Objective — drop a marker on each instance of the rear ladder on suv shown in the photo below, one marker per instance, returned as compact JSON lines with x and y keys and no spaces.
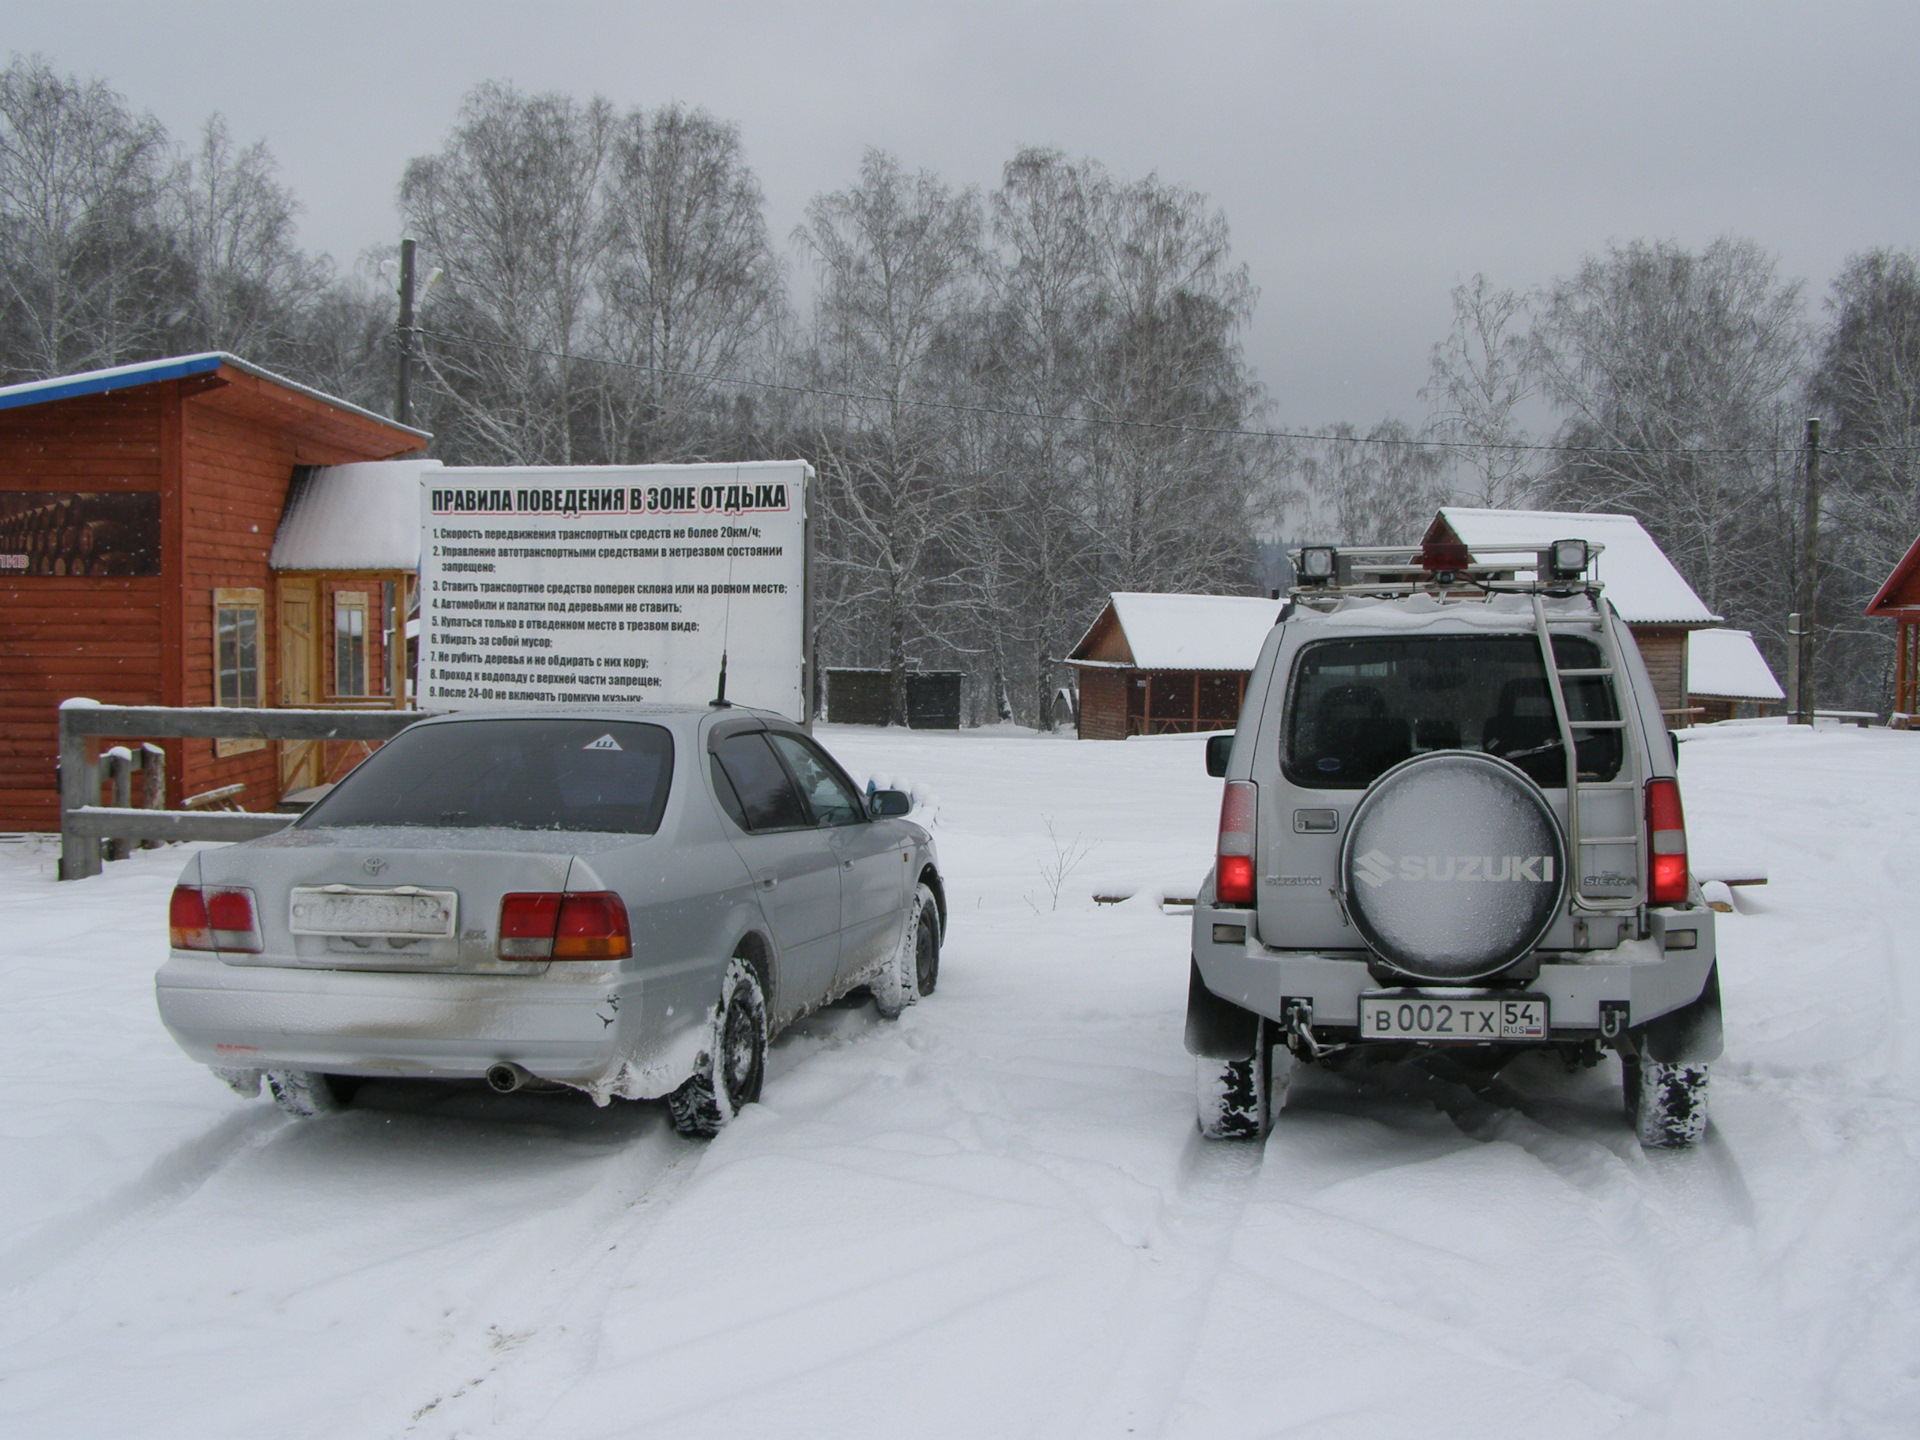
{"x":1609,"y":671}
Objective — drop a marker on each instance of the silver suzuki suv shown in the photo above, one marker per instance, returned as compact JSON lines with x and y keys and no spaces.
{"x":1451,"y":820}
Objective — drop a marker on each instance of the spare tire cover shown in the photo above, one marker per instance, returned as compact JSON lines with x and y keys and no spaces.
{"x":1453,"y":866}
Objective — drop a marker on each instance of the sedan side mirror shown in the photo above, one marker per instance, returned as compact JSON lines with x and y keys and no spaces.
{"x":1219,"y":747}
{"x":888,"y":802}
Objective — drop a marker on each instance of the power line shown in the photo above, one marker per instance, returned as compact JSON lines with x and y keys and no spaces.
{"x":1240,"y":432}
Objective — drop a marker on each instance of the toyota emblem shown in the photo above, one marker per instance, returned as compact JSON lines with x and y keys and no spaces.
{"x":373,"y":865}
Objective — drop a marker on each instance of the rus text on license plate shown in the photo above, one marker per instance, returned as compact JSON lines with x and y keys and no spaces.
{"x":1430,"y":1017}
{"x":344,"y":910}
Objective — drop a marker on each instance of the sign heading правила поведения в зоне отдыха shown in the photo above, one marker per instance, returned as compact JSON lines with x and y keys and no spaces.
{"x":613,"y":583}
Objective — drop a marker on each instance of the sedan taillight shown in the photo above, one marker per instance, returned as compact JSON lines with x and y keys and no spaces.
{"x":591,"y":925}
{"x":1666,"y":844}
{"x":213,"y":917}
{"x":1233,"y":872}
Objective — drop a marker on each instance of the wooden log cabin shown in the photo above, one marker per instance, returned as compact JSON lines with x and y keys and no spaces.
{"x":1168,"y":664}
{"x":138,"y":509}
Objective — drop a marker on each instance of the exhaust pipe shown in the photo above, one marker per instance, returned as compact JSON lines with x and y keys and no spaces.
{"x":505,"y":1077}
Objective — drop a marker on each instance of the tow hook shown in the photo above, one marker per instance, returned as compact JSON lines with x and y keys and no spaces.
{"x":1613,"y":1019}
{"x":1296,"y":1020}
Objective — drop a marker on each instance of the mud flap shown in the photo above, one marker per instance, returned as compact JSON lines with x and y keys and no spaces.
{"x":1218,"y":1029}
{"x":1691,"y":1035}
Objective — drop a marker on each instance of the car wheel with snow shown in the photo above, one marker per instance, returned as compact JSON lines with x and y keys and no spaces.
{"x":1666,"y":1100}
{"x":1234,"y":1098}
{"x":914,"y":968}
{"x":728,"y":1075}
{"x":307,"y":1093}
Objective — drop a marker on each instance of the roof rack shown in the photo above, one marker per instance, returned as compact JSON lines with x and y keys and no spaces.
{"x":1442,"y":569}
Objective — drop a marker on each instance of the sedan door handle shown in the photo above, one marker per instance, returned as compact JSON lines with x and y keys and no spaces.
{"x":846,"y":864}
{"x":767,"y":882}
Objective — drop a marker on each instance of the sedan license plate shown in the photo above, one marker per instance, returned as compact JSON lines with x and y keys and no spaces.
{"x":351,"y":910}
{"x":1445,"y":1017}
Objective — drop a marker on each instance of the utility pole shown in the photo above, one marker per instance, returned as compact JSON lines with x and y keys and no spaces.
{"x":402,"y":402}
{"x":1803,"y":697}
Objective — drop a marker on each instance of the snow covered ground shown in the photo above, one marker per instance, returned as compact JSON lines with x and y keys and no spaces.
{"x":994,"y":1218}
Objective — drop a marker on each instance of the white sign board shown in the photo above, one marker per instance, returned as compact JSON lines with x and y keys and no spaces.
{"x":614,"y":583}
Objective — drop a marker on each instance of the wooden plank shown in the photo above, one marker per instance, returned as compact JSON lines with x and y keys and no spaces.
{"x":210,"y":722}
{"x":107,"y":822}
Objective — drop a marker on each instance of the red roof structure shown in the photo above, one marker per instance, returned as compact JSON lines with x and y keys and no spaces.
{"x":1899,"y":600}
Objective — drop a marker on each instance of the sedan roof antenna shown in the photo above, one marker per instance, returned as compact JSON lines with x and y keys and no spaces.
{"x":720,"y":701}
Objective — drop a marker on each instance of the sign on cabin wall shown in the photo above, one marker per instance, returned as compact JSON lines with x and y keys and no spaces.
{"x":565,"y":586}
{"x":89,"y":532}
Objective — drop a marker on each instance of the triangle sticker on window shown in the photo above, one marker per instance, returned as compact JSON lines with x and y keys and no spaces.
{"x":605,"y":742}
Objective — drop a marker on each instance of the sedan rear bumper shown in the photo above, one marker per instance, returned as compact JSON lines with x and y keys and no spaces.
{"x":577,"y":1029}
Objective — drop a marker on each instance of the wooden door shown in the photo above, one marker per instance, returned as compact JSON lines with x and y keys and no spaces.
{"x":302,"y":762}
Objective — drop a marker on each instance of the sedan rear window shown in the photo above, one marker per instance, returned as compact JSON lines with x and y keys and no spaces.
{"x":1360,"y":707}
{"x":599,"y":775}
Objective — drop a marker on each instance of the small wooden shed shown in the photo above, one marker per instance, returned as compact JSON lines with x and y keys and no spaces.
{"x":1728,"y":678}
{"x":138,"y":506}
{"x":1168,"y":664}
{"x":1899,"y":600}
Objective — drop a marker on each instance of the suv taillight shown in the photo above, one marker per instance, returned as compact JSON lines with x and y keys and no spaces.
{"x":591,"y":925}
{"x":1666,"y":844}
{"x":1233,"y":872}
{"x":213,"y":918}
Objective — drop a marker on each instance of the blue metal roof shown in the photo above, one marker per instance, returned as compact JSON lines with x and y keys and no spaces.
{"x":178,"y":367}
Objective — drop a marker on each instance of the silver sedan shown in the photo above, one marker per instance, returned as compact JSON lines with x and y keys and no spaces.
{"x":628,"y":902}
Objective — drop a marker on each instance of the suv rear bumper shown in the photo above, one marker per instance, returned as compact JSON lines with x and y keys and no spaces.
{"x":1643,"y":975}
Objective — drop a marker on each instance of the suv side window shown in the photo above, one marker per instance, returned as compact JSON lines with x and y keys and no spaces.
{"x":829,"y":797}
{"x":760,"y":784}
{"x":1357,"y":708}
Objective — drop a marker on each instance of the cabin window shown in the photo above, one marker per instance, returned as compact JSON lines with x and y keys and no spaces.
{"x":236,"y":647}
{"x":350,"y":642}
{"x":236,"y":659}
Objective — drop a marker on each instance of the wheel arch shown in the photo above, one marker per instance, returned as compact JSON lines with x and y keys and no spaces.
{"x":930,"y":878}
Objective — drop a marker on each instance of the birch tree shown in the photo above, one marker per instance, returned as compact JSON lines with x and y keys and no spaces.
{"x":83,"y":250}
{"x":1479,"y":377}
{"x":897,"y":261}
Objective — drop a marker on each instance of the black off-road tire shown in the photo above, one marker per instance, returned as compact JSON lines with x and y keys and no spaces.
{"x":729,"y":1073}
{"x":1667,"y":1101}
{"x":1233,"y":1099}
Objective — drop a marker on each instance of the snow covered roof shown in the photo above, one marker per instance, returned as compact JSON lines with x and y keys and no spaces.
{"x":176,"y":367}
{"x":1183,"y":632}
{"x":1727,"y":664}
{"x":1640,"y":580}
{"x":353,"y":517}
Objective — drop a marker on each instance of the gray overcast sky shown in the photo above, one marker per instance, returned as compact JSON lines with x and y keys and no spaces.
{"x":1367,"y":156}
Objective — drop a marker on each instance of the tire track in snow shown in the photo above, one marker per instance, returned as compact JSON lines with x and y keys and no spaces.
{"x":169,"y":1181}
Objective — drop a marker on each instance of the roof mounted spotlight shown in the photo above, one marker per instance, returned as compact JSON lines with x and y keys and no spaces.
{"x":1316,"y":564}
{"x":1567,"y":559}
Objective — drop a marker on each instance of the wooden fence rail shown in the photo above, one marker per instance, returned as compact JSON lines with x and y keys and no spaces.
{"x":84,"y":822}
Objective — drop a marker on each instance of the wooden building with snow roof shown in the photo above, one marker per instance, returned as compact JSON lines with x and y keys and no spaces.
{"x":1899,"y":600}
{"x":139,"y":508}
{"x":1168,"y":664}
{"x":1654,"y":599}
{"x":1728,"y":678}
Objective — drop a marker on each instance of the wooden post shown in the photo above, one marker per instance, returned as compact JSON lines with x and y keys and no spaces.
{"x":120,"y":776}
{"x":1793,"y":670}
{"x":79,"y":785}
{"x":402,"y":399}
{"x":1803,"y":700}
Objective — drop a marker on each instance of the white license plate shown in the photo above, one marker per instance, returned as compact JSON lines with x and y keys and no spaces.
{"x":349,"y":910}
{"x":1436,"y":1017}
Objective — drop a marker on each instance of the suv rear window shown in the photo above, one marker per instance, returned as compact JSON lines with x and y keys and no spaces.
{"x":599,"y":775}
{"x":1357,"y":708}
